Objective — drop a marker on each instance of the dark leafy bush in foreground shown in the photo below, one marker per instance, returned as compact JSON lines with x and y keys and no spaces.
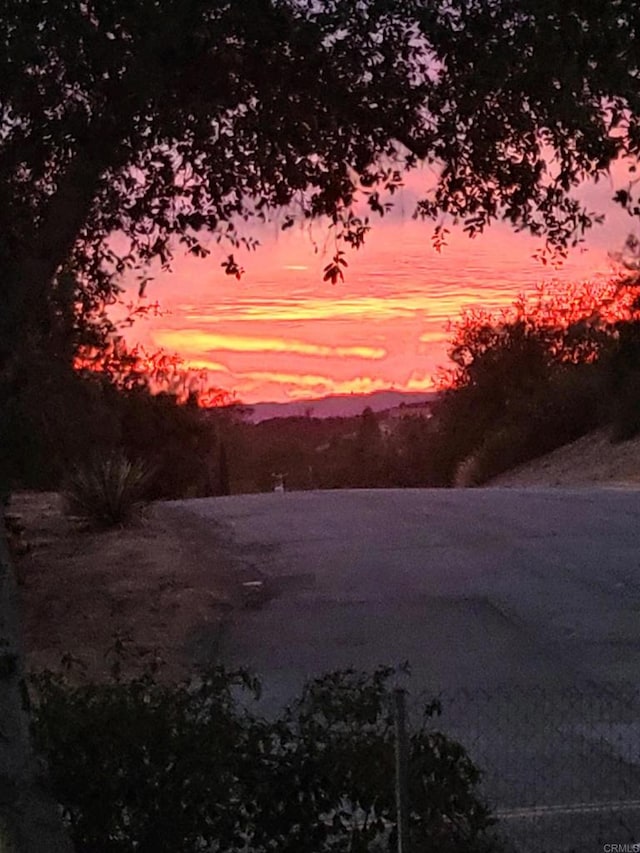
{"x":145,"y":766}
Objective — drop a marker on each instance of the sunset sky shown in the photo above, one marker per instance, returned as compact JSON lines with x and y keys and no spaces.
{"x":281,"y":333}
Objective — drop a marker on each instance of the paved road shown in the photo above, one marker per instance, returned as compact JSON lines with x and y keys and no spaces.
{"x":473,"y":587}
{"x":480,"y":590}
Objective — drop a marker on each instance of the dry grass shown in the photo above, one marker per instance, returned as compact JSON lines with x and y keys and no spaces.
{"x":149,"y":583}
{"x":590,"y":461}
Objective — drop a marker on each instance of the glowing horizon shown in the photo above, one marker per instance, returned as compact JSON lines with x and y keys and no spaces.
{"x":281,"y":333}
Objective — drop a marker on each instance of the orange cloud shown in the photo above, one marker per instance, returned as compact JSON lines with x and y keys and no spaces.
{"x":419,"y":381}
{"x":432,"y":337}
{"x":311,"y":308}
{"x":385,"y":326}
{"x":194,"y":340}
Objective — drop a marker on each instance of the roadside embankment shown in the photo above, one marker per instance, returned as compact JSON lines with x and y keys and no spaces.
{"x":590,"y":461}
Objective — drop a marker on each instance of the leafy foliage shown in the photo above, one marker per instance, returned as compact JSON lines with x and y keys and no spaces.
{"x":177,"y":440}
{"x":537,"y":97}
{"x":57,"y":424}
{"x":623,"y":374}
{"x":534,"y":378}
{"x":138,"y":764}
{"x":96,"y":395}
{"x":166,"y":127}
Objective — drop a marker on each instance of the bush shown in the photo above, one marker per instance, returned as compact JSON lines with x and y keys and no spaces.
{"x":140,"y":765}
{"x":534,"y":378}
{"x":469,"y":472}
{"x":108,"y":490}
{"x":571,"y":407}
{"x":499,"y":452}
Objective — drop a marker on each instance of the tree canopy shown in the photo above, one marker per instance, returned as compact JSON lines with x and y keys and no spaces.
{"x":535,"y":97}
{"x":161,"y":121}
{"x":157,"y":120}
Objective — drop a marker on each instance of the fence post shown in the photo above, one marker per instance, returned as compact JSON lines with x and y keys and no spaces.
{"x":402,"y":770}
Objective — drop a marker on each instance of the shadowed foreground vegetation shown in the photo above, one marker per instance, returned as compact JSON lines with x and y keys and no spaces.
{"x":186,"y":767}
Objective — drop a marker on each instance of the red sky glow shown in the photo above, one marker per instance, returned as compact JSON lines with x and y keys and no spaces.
{"x":281,"y":333}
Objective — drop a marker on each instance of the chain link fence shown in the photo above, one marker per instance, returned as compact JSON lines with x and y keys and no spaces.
{"x":561,"y":766}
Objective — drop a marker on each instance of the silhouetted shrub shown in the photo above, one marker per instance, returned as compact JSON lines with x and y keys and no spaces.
{"x":625,"y":410}
{"x":499,"y":452}
{"x":159,"y":768}
{"x":107,"y":490}
{"x":175,"y":438}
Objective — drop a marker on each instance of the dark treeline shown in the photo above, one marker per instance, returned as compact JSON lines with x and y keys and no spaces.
{"x":79,"y":419}
{"x":368,"y":451}
{"x":82,"y":395}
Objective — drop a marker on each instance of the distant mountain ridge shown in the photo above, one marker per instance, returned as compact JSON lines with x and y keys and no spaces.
{"x":337,"y":405}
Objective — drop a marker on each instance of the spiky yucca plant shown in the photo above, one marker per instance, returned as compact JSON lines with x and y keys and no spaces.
{"x":107,"y":490}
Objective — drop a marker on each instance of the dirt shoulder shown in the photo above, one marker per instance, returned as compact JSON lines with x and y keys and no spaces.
{"x":590,"y":461}
{"x":159,"y":585}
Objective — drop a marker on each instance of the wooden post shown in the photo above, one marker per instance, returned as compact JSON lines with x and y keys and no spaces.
{"x":402,"y":770}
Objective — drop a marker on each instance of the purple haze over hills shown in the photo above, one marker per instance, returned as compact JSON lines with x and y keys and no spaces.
{"x":336,"y":405}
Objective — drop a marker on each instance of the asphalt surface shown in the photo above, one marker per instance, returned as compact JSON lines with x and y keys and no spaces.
{"x":528,"y":595}
{"x":473,"y":587}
